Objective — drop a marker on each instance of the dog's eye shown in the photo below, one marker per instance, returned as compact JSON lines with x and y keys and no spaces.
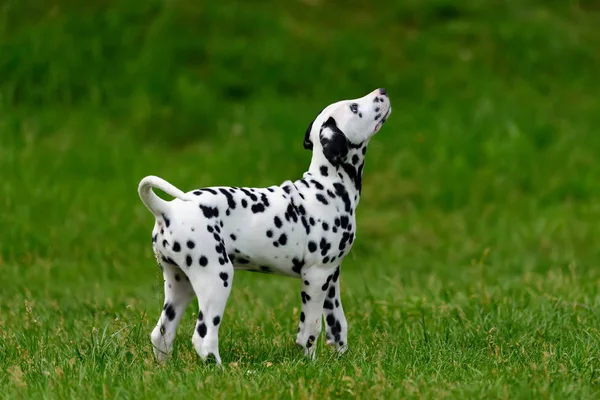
{"x":354,"y":108}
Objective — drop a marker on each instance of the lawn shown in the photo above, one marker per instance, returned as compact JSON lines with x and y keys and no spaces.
{"x":476,"y":268}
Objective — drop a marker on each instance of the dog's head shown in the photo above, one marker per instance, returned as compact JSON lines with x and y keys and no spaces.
{"x":348,"y":123}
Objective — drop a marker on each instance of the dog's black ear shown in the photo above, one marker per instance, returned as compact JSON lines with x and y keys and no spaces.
{"x":308,"y":144}
{"x":335,"y":143}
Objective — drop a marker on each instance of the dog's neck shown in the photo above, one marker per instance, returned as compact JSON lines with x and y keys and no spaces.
{"x":349,"y":172}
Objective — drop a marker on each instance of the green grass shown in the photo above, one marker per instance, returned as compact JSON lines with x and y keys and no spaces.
{"x":476,"y":268}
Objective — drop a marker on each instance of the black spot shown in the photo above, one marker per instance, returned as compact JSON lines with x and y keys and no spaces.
{"x":162,"y":231}
{"x":324,"y":170}
{"x":169,"y":311}
{"x":310,"y":342}
{"x":324,"y":246}
{"x":210,"y":229}
{"x":249,"y":194}
{"x":326,"y":284}
{"x":269,"y":233}
{"x":176,"y":246}
{"x":337,"y":329}
{"x":232,"y":236}
{"x":336,"y":274}
{"x":306,"y":226}
{"x":242,"y":260}
{"x":190,"y":244}
{"x":344,"y":221}
{"x":340,"y":190}
{"x":177,"y":277}
{"x":312,"y":221}
{"x":330,"y":194}
{"x":278,"y":222}
{"x":355,"y":159}
{"x":305,"y":297}
{"x":283,"y":239}
{"x":154,"y":238}
{"x":344,"y":240}
{"x":291,"y":213}
{"x":258,"y":208}
{"x":216,"y":320}
{"x":244,"y":203}
{"x":217,"y":237}
{"x":298,"y":264}
{"x":202,"y":330}
{"x":312,"y":246}
{"x":325,"y":260}
{"x":364,"y":150}
{"x":188,"y":260}
{"x":167,"y":220}
{"x":331,"y":293}
{"x":325,"y":226}
{"x":307,"y":283}
{"x":165,"y":243}
{"x":217,"y":229}
{"x":330,"y":319}
{"x":203,"y":261}
{"x":301,"y":210}
{"x":305,"y":183}
{"x":317,"y":184}
{"x":230,"y":201}
{"x":337,"y":303}
{"x":197,"y":192}
{"x":276,"y":244}
{"x":224,"y":276}
{"x":209,"y":191}
{"x":328,"y":305}
{"x":264,"y":268}
{"x":209,"y":212}
{"x":302,"y":317}
{"x":322,"y":198}
{"x":287,"y":189}
{"x":337,"y":222}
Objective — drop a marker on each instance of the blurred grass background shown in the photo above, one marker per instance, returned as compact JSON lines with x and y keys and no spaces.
{"x":481,"y":192}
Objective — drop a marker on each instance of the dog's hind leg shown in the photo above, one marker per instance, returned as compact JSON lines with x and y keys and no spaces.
{"x":178,"y":293}
{"x":333,"y":312}
{"x":212,"y":280}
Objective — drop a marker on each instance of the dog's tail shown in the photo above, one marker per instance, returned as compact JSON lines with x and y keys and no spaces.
{"x":154,"y":203}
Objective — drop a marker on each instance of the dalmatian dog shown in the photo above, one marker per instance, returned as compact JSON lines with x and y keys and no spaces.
{"x":301,"y":229}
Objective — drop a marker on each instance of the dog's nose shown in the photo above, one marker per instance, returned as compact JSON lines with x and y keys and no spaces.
{"x":382,"y":91}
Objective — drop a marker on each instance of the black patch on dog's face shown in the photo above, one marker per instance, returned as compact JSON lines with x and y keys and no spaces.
{"x":336,"y":146}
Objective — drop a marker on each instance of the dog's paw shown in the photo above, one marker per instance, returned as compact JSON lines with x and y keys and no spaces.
{"x":160,"y":355}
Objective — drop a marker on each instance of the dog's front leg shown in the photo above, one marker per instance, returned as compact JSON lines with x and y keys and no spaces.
{"x":315,"y":283}
{"x":333,"y":312}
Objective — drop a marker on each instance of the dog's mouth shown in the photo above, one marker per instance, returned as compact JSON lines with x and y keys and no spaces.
{"x":382,"y":121}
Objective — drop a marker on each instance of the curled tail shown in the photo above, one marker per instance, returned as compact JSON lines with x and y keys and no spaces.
{"x":154,"y":203}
